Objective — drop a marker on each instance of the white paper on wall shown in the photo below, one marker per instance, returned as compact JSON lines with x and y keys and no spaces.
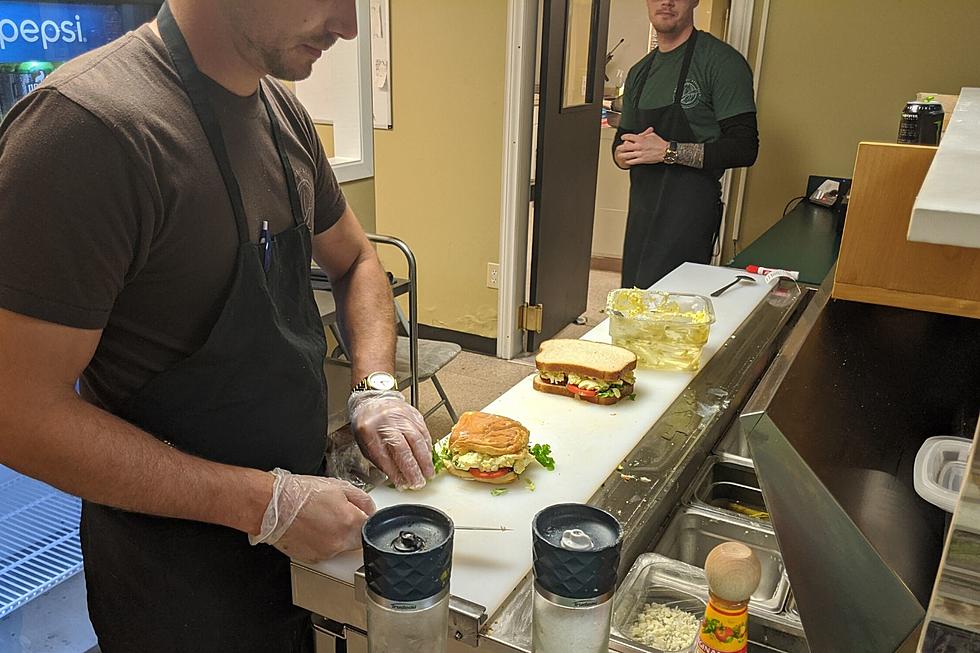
{"x":381,"y":62}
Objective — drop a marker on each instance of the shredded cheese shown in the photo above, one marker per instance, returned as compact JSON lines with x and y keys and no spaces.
{"x":665,"y":628}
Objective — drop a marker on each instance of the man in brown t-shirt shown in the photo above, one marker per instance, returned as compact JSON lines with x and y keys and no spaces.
{"x":130,"y":262}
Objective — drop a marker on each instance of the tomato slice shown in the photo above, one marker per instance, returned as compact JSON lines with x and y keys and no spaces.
{"x":575,"y":390}
{"x":503,"y":471}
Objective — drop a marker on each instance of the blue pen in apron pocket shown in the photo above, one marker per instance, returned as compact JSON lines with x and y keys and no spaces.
{"x":265,"y":242}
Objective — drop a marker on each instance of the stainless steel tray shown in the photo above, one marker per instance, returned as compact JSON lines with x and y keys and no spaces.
{"x":791,"y":609}
{"x":695,"y":531}
{"x":656,"y":579}
{"x":723,"y":482}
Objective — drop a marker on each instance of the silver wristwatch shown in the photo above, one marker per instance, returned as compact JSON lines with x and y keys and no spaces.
{"x":377,"y":381}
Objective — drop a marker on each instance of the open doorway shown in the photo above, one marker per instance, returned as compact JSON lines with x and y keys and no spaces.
{"x":628,"y":38}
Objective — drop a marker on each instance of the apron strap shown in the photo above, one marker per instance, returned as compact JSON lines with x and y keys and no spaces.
{"x":685,"y":67}
{"x":295,"y":206}
{"x":644,"y":75}
{"x":194,"y":85}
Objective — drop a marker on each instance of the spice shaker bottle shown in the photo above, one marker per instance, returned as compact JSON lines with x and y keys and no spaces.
{"x":576,"y":560}
{"x":733,"y":574}
{"x":408,"y":553}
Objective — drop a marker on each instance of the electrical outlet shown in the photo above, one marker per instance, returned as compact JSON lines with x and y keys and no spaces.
{"x":493,"y":275}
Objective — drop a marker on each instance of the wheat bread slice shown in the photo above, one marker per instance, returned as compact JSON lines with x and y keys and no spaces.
{"x":596,"y":359}
{"x":554,"y":389}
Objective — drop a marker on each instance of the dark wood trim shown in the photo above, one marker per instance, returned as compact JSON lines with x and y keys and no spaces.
{"x":468,"y":341}
{"x":607,"y":263}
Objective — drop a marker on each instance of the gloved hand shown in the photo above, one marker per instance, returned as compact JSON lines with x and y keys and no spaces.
{"x":392,"y":434}
{"x":312,"y":518}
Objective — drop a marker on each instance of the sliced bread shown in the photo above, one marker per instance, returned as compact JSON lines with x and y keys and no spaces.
{"x":596,"y":359}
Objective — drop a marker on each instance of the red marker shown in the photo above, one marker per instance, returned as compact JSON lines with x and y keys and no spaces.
{"x":756,"y":269}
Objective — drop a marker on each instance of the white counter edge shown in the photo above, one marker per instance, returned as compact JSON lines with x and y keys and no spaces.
{"x":947,"y":209}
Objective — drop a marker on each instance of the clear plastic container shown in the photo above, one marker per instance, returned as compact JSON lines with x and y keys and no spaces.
{"x":666,"y":331}
{"x":940,"y":466}
{"x":655,"y":579}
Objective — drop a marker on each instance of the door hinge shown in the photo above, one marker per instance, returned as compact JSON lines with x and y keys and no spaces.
{"x":529,"y":318}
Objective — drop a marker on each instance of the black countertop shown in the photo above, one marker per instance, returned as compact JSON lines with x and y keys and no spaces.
{"x":807,"y":239}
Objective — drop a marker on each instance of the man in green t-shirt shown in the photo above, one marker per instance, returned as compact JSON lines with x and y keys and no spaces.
{"x":688,"y":114}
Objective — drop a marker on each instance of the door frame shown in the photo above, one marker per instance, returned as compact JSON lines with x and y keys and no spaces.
{"x":515,"y":187}
{"x":739,"y":36}
{"x":757,"y":75}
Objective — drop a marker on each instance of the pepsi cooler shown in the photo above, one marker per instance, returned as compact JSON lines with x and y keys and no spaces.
{"x":37,"y":37}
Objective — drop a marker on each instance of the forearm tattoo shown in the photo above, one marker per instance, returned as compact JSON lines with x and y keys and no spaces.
{"x":691,"y":155}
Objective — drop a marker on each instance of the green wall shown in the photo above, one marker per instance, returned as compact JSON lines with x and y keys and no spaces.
{"x":837,"y":72}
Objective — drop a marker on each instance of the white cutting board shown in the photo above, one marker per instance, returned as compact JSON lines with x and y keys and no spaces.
{"x":588,"y":442}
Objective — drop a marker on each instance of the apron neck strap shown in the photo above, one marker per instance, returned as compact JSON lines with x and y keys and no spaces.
{"x":692,"y":41}
{"x":194,"y":84}
{"x":644,"y":73}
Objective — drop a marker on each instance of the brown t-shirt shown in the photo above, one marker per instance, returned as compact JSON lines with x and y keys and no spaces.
{"x":113,"y":214}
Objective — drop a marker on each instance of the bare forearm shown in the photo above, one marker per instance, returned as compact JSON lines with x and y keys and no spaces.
{"x":366,"y":315}
{"x":68,"y":443}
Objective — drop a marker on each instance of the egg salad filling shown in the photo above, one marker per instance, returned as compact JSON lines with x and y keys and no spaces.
{"x":602,"y":388}
{"x":475,"y":460}
{"x":442,"y":457}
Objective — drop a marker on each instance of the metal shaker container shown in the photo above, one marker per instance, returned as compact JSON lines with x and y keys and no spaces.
{"x":408,"y":553}
{"x":576,"y":560}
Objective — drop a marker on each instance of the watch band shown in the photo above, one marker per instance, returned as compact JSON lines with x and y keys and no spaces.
{"x":670,"y":156}
{"x":361,"y":386}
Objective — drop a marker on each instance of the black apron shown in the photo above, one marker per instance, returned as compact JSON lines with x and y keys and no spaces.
{"x":674,"y":210}
{"x":253,"y":395}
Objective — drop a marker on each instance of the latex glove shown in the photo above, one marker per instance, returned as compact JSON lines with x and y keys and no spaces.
{"x":312,"y":518}
{"x":392,"y":434}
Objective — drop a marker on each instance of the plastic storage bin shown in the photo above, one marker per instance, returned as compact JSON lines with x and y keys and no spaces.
{"x":666,"y":331}
{"x":940,"y":467}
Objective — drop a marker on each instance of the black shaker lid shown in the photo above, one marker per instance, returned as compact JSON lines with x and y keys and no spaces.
{"x":576,"y":550}
{"x":408,"y":552}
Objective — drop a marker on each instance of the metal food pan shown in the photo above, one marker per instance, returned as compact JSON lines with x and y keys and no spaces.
{"x":722,"y":484}
{"x":695,"y":531}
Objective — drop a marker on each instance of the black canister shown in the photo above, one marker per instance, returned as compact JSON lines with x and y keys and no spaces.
{"x":576,"y":562}
{"x":922,"y":123}
{"x":408,"y":552}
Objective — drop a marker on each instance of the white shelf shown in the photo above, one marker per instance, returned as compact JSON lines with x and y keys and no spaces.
{"x":947,"y":210}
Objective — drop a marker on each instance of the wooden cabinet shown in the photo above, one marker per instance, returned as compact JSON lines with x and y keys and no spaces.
{"x":878,"y":264}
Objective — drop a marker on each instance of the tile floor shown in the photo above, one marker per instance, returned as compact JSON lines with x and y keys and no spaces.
{"x":472,"y":381}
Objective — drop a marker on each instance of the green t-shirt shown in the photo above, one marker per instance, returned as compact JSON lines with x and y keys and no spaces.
{"x":719,"y":86}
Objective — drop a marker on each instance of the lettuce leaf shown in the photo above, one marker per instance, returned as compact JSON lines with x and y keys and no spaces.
{"x":542,"y":453}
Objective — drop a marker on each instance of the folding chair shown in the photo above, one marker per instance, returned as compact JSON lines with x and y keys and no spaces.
{"x":416,"y":360}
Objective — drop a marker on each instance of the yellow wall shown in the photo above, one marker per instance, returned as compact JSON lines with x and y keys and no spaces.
{"x":437,"y":172}
{"x":360,"y":193}
{"x":710,"y":16}
{"x":360,"y":198}
{"x":838,"y":72}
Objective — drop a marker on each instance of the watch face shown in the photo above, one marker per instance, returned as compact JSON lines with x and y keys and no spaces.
{"x":381,"y":381}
